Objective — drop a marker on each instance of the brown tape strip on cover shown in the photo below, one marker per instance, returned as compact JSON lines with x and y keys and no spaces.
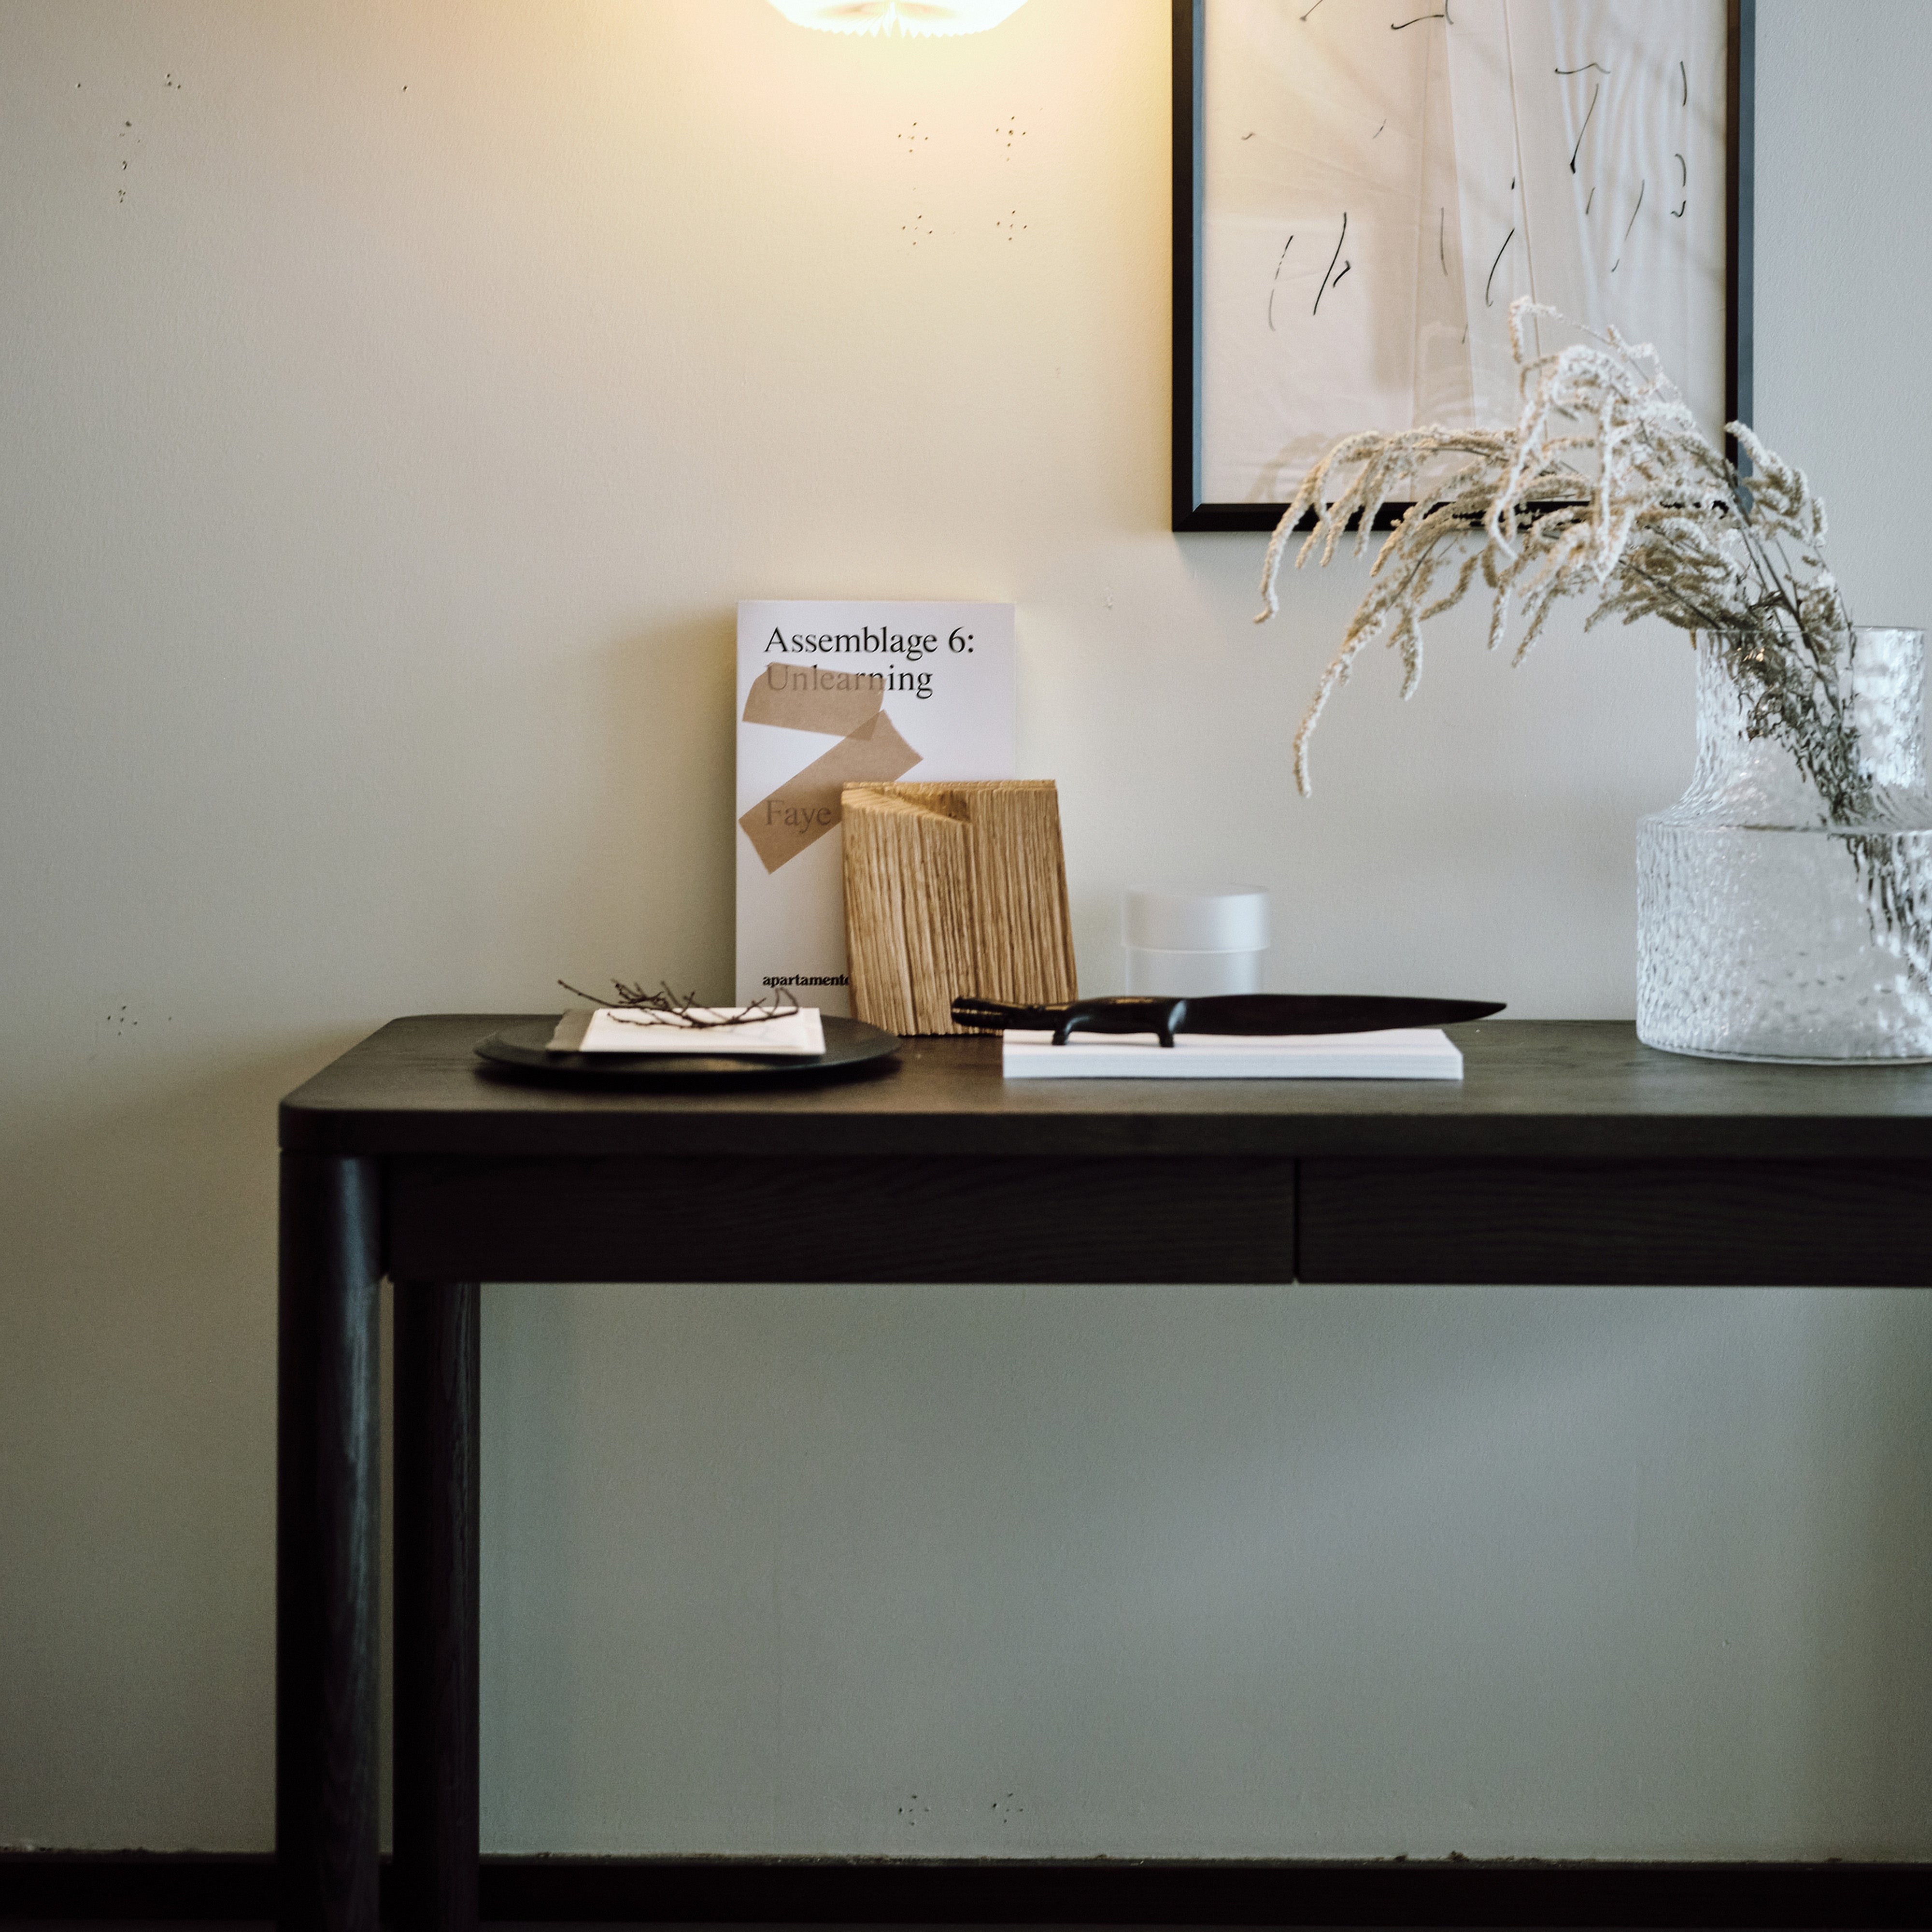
{"x":808,"y":698}
{"x":805,"y":808}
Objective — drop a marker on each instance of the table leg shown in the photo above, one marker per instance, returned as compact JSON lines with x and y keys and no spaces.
{"x":326,"y":1510}
{"x":438,"y":1389}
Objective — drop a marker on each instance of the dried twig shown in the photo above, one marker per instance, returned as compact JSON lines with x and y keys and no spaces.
{"x":664,"y":1008}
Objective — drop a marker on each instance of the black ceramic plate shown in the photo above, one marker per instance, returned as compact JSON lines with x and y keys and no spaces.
{"x":526,"y":1046}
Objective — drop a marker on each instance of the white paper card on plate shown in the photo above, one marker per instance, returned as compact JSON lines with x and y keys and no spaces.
{"x":1398,"y":1053}
{"x":834,"y":694}
{"x":627,"y":1030}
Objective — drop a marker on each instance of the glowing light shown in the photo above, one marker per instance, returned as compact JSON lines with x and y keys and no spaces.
{"x":901,"y":16}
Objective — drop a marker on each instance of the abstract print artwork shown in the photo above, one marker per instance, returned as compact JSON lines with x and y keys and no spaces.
{"x":1380,"y":179}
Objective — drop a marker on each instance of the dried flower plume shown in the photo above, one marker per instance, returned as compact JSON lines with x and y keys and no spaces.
{"x":1607,"y":489}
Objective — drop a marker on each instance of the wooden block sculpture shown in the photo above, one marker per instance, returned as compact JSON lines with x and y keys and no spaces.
{"x":953,"y":889}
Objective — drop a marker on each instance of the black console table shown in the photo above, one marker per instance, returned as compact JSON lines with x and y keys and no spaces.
{"x":1568,"y":1153}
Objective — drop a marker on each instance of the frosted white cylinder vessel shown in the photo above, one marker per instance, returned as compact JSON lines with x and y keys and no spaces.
{"x":1186,"y":940}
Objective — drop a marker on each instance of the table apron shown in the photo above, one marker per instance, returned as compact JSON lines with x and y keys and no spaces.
{"x":1136,"y":1218}
{"x":1127,"y":1218}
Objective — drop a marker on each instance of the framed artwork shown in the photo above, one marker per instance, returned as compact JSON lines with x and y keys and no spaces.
{"x":1362,"y":188}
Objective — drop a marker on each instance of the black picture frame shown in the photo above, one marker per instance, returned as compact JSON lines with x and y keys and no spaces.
{"x":1189,"y":512}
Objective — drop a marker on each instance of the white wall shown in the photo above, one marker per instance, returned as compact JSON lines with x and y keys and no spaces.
{"x":396,"y":399}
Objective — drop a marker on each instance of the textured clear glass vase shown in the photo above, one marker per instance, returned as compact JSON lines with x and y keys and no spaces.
{"x":1784,"y":903}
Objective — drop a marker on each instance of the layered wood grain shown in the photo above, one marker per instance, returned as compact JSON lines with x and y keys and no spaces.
{"x":954,"y":889}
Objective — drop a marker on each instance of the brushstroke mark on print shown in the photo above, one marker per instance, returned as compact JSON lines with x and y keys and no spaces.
{"x":1488,"y":301}
{"x":1332,"y":260}
{"x":1585,"y":128}
{"x":1279,"y":260}
{"x":1643,"y":187}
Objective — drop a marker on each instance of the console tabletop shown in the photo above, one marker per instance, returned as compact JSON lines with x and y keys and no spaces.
{"x":1577,"y":1088}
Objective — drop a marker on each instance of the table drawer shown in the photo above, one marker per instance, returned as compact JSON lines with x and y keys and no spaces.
{"x":1121,"y":1218}
{"x":1848,"y":1222}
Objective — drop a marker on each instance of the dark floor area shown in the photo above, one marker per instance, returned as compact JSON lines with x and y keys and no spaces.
{"x":508,"y":1925}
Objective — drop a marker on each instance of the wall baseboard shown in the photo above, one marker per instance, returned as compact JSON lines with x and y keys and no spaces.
{"x":1514,"y":1892}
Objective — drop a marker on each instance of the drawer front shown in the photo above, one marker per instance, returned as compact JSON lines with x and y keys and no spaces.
{"x":1122,"y":1218}
{"x":1755,"y":1222}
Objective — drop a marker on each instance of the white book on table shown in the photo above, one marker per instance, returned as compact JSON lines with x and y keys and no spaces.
{"x":1399,"y":1053}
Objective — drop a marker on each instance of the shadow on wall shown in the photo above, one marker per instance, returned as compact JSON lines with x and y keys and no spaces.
{"x":642,"y":888}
